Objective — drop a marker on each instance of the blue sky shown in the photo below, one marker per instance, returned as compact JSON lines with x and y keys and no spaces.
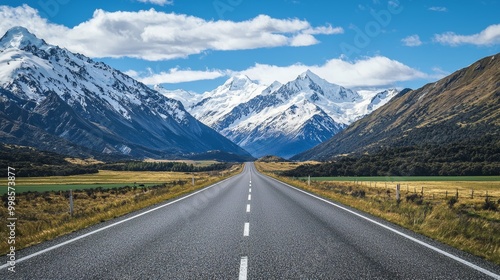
{"x":197,"y":45}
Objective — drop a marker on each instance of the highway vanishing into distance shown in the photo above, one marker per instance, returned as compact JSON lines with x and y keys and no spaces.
{"x":249,"y":226}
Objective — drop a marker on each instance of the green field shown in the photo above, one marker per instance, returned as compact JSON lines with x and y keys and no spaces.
{"x":409,"y":179}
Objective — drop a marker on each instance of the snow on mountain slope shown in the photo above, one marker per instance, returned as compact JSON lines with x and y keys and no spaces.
{"x":125,"y":116}
{"x":282,"y":119}
{"x":216,"y":104}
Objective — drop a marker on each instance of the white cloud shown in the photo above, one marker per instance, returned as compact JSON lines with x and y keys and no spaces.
{"x":154,"y":35}
{"x":29,"y":18}
{"x":158,"y":2}
{"x":302,"y":40}
{"x":369,"y":72}
{"x":438,"y":9}
{"x":377,"y":71}
{"x":412,"y":41}
{"x":175,"y":75}
{"x":489,"y":36}
{"x":324,"y":30}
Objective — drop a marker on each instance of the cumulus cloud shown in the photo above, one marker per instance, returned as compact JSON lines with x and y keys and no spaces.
{"x":368,"y":72}
{"x":488,"y":36}
{"x":30,"y":18}
{"x":438,"y":9}
{"x":412,"y":41}
{"x":175,"y":75}
{"x":377,"y":71}
{"x":154,"y":35}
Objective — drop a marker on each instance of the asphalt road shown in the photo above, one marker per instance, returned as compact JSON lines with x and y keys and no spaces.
{"x":249,"y":226}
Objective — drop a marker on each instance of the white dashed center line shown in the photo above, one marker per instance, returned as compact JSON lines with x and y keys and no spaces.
{"x":249,"y":197}
{"x":246,"y":230}
{"x":250,"y":190}
{"x":243,"y":268}
{"x":248,"y":208}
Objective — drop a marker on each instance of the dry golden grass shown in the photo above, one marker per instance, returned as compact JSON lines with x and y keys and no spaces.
{"x":44,"y":216}
{"x":471,"y":190}
{"x":464,"y":224}
{"x":87,"y":161}
{"x":109,"y":177}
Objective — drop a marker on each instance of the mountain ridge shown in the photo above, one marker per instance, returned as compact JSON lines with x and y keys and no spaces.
{"x":458,"y":108}
{"x":280,"y":119}
{"x":69,"y":97}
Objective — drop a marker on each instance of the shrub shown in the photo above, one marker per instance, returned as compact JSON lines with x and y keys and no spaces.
{"x":452,"y":201}
{"x":359,"y":193}
{"x":489,"y":205}
{"x":415,"y":198}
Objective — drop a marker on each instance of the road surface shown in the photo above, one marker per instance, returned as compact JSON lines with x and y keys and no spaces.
{"x":247,"y":227}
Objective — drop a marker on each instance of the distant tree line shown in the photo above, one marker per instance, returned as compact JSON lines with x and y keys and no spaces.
{"x":163,"y":166}
{"x":30,"y":162}
{"x":468,"y":158}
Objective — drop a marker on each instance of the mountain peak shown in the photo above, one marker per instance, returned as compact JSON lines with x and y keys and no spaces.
{"x":19,"y":37}
{"x":238,"y":82}
{"x":309,"y":74}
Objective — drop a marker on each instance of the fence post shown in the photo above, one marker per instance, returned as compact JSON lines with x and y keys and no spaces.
{"x":398,"y":195}
{"x":309,"y":180}
{"x":456,"y":195}
{"x":192,"y":180}
{"x":472,"y":194}
{"x":71,"y":203}
{"x":422,"y":192}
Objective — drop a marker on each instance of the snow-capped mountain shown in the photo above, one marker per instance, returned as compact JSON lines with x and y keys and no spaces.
{"x":219,"y":103}
{"x":49,"y":95}
{"x":281,"y":119}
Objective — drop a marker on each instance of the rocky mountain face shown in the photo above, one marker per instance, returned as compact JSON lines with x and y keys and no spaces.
{"x":280,"y":119}
{"x":56,"y":100}
{"x":460,"y":110}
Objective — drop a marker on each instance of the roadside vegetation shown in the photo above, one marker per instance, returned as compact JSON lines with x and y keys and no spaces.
{"x":462,"y":214}
{"x":44,"y":215}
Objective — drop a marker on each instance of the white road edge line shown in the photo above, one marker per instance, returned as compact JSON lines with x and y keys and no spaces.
{"x":467,"y":263}
{"x":111,"y":225}
{"x":246,"y":229}
{"x":248,"y":208}
{"x":249,"y":197}
{"x":243,"y":268}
